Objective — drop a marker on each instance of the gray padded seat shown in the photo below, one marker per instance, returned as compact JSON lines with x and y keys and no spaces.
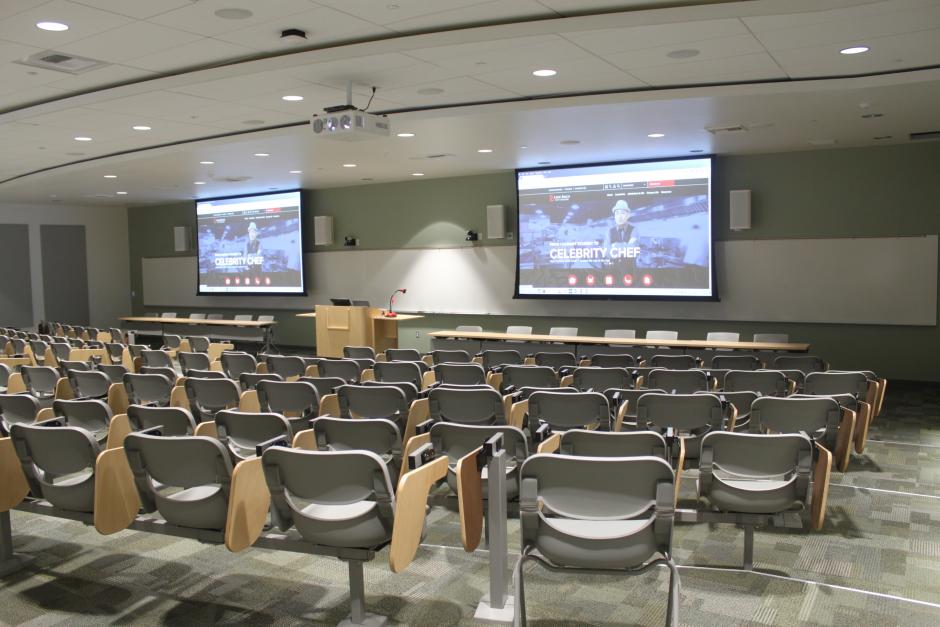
{"x":148,"y":389}
{"x":818,"y":417}
{"x":381,"y":401}
{"x":193,"y":361}
{"x":58,"y":463}
{"x":402,"y":354}
{"x":516,"y":377}
{"x":17,"y":409}
{"x":617,"y":397}
{"x":400,"y":371}
{"x":5,"y":373}
{"x":187,"y":479}
{"x":286,"y":365}
{"x":691,"y":416}
{"x":596,"y":379}
{"x":563,"y":411}
{"x":341,"y":499}
{"x":673,"y":362}
{"x":772,"y":338}
{"x":750,"y":473}
{"x":613,"y":360}
{"x":460,"y":374}
{"x":501,"y":358}
{"x":622,"y":334}
{"x":208,"y":396}
{"x":457,"y":440}
{"x":722,"y":336}
{"x":171,"y":420}
{"x":678,"y":381}
{"x":197,"y":316}
{"x":564,"y":331}
{"x":349,"y":370}
{"x":519,"y":329}
{"x":40,"y":381}
{"x":115,"y":351}
{"x":742,"y":402}
{"x":736,"y":362}
{"x":324,"y":385}
{"x":265,"y":318}
{"x":450,"y":357}
{"x":171,"y":341}
{"x":359,"y":352}
{"x":587,"y":443}
{"x":199,"y":343}
{"x":169,"y":373}
{"x":156,"y":359}
{"x":378,"y":435}
{"x":766,"y":382}
{"x":205,"y":374}
{"x":62,"y":350}
{"x":168,"y":314}
{"x":556,"y":360}
{"x":298,"y":401}
{"x":803,"y":363}
{"x":92,"y":415}
{"x":831,"y":383}
{"x":241,"y":431}
{"x":217,"y":316}
{"x":244,"y":317}
{"x":39,"y":349}
{"x":468,"y":406}
{"x":65,"y":365}
{"x":250,"y":380}
{"x":469,"y":328}
{"x":599,"y":514}
{"x":235,"y":363}
{"x":662,"y":335}
{"x":89,"y":384}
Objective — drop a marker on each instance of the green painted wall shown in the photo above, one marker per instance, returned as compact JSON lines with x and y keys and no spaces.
{"x":883,"y":191}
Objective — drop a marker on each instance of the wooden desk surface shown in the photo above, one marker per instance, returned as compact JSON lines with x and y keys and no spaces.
{"x":614,"y":341}
{"x":200,"y":321}
{"x":313,"y":314}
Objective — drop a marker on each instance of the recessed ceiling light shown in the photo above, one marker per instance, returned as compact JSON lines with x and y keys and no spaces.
{"x":199,"y":182}
{"x":53,"y":26}
{"x":121,"y":193}
{"x":485,"y":150}
{"x":234,"y":14}
{"x":206,"y":162}
{"x":292,"y":98}
{"x":406,"y":134}
{"x":523,"y":147}
{"x":110,"y":176}
{"x":570,"y":142}
{"x":82,"y":139}
{"x":296,"y":171}
{"x":684,"y":53}
{"x":855,"y":50}
{"x":656,"y":135}
{"x":262,"y":154}
{"x":349,"y":165}
{"x":417,"y":174}
{"x":544,"y":73}
{"x":141,"y":127}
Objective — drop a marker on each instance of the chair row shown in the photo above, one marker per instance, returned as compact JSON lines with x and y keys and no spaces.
{"x":711,"y":336}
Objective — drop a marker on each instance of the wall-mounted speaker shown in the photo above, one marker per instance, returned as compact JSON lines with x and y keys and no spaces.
{"x":495,"y":222}
{"x":322,"y":230}
{"x":739,"y":216}
{"x":181,"y":239}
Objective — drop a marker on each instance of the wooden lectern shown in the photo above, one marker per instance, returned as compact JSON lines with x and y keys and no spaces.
{"x":339,"y":326}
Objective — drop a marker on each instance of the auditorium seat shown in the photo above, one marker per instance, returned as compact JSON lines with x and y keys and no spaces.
{"x":613,"y":360}
{"x":563,"y":411}
{"x":286,"y":365}
{"x":172,"y":421}
{"x":193,"y":361}
{"x":466,"y":405}
{"x":556,"y":361}
{"x":349,"y":370}
{"x":241,"y":432}
{"x":217,"y":316}
{"x":497,"y":359}
{"x":377,"y":435}
{"x":265,"y":318}
{"x":587,"y":443}
{"x":15,"y":409}
{"x":765,"y":382}
{"x":93,"y":415}
{"x":519,"y":329}
{"x":823,"y":419}
{"x":678,"y":381}
{"x":197,"y":316}
{"x":564,"y":331}
{"x":243,"y":317}
{"x":397,"y":371}
{"x":470,"y":328}
{"x":298,"y":401}
{"x":199,"y":343}
{"x":459,"y":374}
{"x":772,"y":338}
{"x":688,"y":415}
{"x":156,"y":359}
{"x":673,"y":362}
{"x":208,"y":396}
{"x":249,"y":380}
{"x":402,"y":354}
{"x":623,"y":402}
{"x":148,"y":389}
{"x":449,"y":356}
{"x":515,"y":377}
{"x":805,"y":363}
{"x":623,"y":334}
{"x":114,"y":372}
{"x":597,"y":379}
{"x":89,"y":384}
{"x":40,"y":381}
{"x":736,"y":362}
{"x":234,"y":363}
{"x":168,"y":314}
{"x":364,"y":401}
{"x":722,"y":336}
{"x":662,"y":335}
{"x":455,"y":440}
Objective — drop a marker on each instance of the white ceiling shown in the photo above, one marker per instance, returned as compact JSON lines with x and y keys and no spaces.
{"x":457,"y":73}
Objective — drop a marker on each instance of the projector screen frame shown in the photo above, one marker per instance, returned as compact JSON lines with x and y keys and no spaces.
{"x":714,"y":297}
{"x":303,"y":251}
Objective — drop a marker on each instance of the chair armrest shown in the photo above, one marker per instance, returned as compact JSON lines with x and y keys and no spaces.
{"x":15,"y":384}
{"x":117,"y":501}
{"x":844,"y":438}
{"x":63,"y":390}
{"x":248,"y":401}
{"x":584,"y":363}
{"x":118,"y":429}
{"x":13,"y":488}
{"x":470,"y":500}
{"x":477,"y":360}
{"x":410,"y":446}
{"x":862,"y":422}
{"x":46,"y":413}
{"x":49,"y":358}
{"x":178,"y":397}
{"x":216,"y":365}
{"x":428,"y":379}
{"x":882,"y":386}
{"x":528,"y":361}
{"x":261,"y":368}
{"x":618,"y":419}
{"x":329,"y":404}
{"x":207,"y":429}
{"x":566,"y":381}
{"x":821,"y":475}
{"x":516,"y":413}
{"x":551,"y":444}
{"x":312,"y":371}
{"x":248,"y":504}
{"x":419,"y":411}
{"x":306,"y":440}
{"x":367,"y":375}
{"x":679,"y":464}
{"x":411,"y":510}
{"x":117,"y":398}
{"x":428,"y":360}
{"x":494,"y":379}
{"x":733,"y":418}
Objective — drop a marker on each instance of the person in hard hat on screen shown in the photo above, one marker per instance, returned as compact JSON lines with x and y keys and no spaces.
{"x":253,"y":246}
{"x":622,"y":246}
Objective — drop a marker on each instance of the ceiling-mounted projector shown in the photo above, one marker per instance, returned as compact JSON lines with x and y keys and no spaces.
{"x":350,"y":124}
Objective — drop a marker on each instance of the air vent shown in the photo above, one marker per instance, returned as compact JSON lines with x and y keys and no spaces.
{"x":441,"y":155}
{"x":728,"y":128}
{"x":925,"y":136}
{"x":61,"y":62}
{"x":232,"y":179}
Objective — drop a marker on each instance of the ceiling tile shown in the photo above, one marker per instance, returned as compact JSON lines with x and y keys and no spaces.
{"x":712,"y":49}
{"x":455,"y":91}
{"x":613,"y":40}
{"x":587,"y":74}
{"x":12,"y":7}
{"x":82,"y":21}
{"x":323,"y":25}
{"x":155,"y":104}
{"x":139,"y":10}
{"x":389,"y":12}
{"x":203,"y":52}
{"x":238,"y":88}
{"x":529,"y":53}
{"x":577,"y":7}
{"x":491,"y":12}
{"x":129,"y":41}
{"x":749,"y":67}
{"x":107,"y":75}
{"x":200,"y":17}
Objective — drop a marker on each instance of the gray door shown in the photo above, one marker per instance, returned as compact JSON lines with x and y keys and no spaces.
{"x":16,"y":291}
{"x":64,"y":273}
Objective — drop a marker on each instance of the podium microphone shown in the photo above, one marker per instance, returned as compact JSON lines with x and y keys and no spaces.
{"x":391,"y":301}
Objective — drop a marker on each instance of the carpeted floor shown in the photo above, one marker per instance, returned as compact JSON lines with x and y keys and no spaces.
{"x":877,"y":562}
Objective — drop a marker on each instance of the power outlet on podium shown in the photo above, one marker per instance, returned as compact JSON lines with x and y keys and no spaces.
{"x":417,"y":335}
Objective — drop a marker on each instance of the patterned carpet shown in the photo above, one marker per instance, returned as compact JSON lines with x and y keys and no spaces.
{"x":877,"y":562}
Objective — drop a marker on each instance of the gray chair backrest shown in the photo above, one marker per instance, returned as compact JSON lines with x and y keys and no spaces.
{"x":250,"y":380}
{"x":402,"y":354}
{"x":148,"y":389}
{"x":187,"y":479}
{"x":40,"y":381}
{"x":171,"y":341}
{"x":65,"y":366}
{"x":450,"y":357}
{"x":766,"y":382}
{"x":673,"y":362}
{"x":39,"y":349}
{"x":742,"y":402}
{"x":469,"y":406}
{"x":93,"y":415}
{"x":215,"y":316}
{"x":47,"y":453}
{"x":197,"y":316}
{"x":5,"y":373}
{"x":469,"y":328}
{"x":199,"y":343}
{"x":397,"y":371}
{"x":169,"y":373}
{"x":349,"y":370}
{"x":565,"y":331}
{"x":587,"y":443}
{"x":563,"y":411}
{"x":556,"y":360}
{"x":324,"y":385}
{"x":62,"y":350}
{"x":678,"y":381}
{"x":722,"y":336}
{"x":156,"y":359}
{"x":736,"y":362}
{"x":516,"y":377}
{"x":358,"y":352}
{"x":692,"y":415}
{"x":617,"y":397}
{"x":597,"y":379}
{"x":286,"y":365}
{"x":265,"y":318}
{"x":235,"y":363}
{"x":172,"y":421}
{"x":829,"y":383}
{"x":519,"y":329}
{"x":296,"y":400}
{"x":243,"y":317}
{"x":15,"y":409}
{"x":662,"y":335}
{"x":409,"y":389}
{"x":623,"y":334}
{"x":818,"y":417}
{"x":380,"y":436}
{"x":365,"y":401}
{"x":205,"y":374}
{"x":193,"y":361}
{"x":89,"y":384}
{"x":772,"y":338}
{"x":241,"y":431}
{"x":611,"y":360}
{"x":804,"y":363}
{"x":208,"y":396}
{"x":460,"y":373}
{"x":168,"y":314}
